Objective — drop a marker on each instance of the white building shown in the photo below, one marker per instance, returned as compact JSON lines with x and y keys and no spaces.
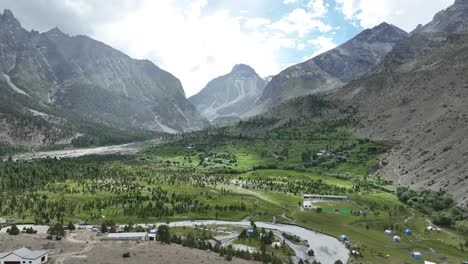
{"x":24,"y":255}
{"x":312,"y":197}
{"x":308,"y":205}
{"x":127,"y":236}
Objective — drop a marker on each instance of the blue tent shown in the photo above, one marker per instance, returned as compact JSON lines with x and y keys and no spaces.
{"x":396,"y":239}
{"x":408,"y":232}
{"x":416,"y":255}
{"x":344,"y":238}
{"x":250,"y":232}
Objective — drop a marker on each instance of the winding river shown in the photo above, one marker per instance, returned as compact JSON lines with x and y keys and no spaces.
{"x":327,"y":249}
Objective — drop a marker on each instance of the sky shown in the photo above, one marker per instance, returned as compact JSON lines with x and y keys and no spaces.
{"x":198,"y":40}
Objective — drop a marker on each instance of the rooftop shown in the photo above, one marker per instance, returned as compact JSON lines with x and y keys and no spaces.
{"x":127,"y":235}
{"x":26,"y":253}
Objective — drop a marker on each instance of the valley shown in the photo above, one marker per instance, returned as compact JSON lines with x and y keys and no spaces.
{"x":356,"y":155}
{"x":233,"y":178}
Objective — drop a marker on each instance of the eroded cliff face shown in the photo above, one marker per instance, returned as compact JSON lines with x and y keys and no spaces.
{"x":418,"y":96}
{"x":78,"y":77}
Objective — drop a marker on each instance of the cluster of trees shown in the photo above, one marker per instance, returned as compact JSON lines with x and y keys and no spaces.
{"x":100,"y":135}
{"x":296,"y":185}
{"x":266,"y":238}
{"x":132,"y":188}
{"x":56,"y":231}
{"x":440,"y":205}
{"x":190,"y":241}
{"x":13,"y":230}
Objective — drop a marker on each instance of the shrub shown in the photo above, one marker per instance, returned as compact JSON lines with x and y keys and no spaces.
{"x":14,"y":231}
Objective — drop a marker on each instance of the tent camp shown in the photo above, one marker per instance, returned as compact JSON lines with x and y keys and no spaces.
{"x":408,"y":232}
{"x":388,"y":232}
{"x":343,"y":238}
{"x":396,"y":239}
{"x":416,"y":255}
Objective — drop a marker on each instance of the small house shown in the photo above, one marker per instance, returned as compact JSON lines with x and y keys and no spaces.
{"x":416,"y":255}
{"x":152,"y":235}
{"x":24,"y":255}
{"x":388,"y":232}
{"x":308,"y":205}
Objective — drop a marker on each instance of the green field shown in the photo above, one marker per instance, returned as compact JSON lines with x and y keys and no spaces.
{"x":234,"y":177}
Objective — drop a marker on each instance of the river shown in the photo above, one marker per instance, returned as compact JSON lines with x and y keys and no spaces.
{"x":327,"y":249}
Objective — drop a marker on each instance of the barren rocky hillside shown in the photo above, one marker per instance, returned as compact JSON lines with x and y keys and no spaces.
{"x":419,"y":97}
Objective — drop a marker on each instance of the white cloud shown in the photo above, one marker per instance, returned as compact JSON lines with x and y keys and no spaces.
{"x":300,"y":46}
{"x":301,"y":22}
{"x":317,"y":8}
{"x":257,"y":22}
{"x":402,"y":13}
{"x":321,"y":45}
{"x":287,"y":2}
{"x":193,"y":45}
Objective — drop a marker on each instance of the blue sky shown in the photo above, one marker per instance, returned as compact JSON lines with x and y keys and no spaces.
{"x":198,"y":40}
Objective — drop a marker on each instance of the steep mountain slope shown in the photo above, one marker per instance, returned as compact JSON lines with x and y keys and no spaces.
{"x":332,"y":69}
{"x":79,"y":78}
{"x":419,"y":97}
{"x":230,"y":95}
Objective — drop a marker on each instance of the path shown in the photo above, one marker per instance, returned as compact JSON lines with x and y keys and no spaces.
{"x":409,"y":218}
{"x":64,"y":256}
{"x":444,"y":230}
{"x":241,"y":190}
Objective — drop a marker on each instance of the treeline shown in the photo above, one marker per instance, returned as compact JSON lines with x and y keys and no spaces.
{"x":296,"y":186}
{"x":440,"y":205}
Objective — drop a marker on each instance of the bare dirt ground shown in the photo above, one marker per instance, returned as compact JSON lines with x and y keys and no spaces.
{"x":84,"y":247}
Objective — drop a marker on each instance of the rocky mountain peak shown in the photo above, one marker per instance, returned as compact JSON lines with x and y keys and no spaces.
{"x":384,"y":32}
{"x":231,"y":95}
{"x":243,"y":69}
{"x":55,"y":32}
{"x":8,"y":18}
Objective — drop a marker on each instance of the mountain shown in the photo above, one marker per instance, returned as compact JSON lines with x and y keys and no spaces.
{"x":333,"y":69}
{"x":76,"y":78}
{"x":418,"y":96}
{"x":230,"y":95}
